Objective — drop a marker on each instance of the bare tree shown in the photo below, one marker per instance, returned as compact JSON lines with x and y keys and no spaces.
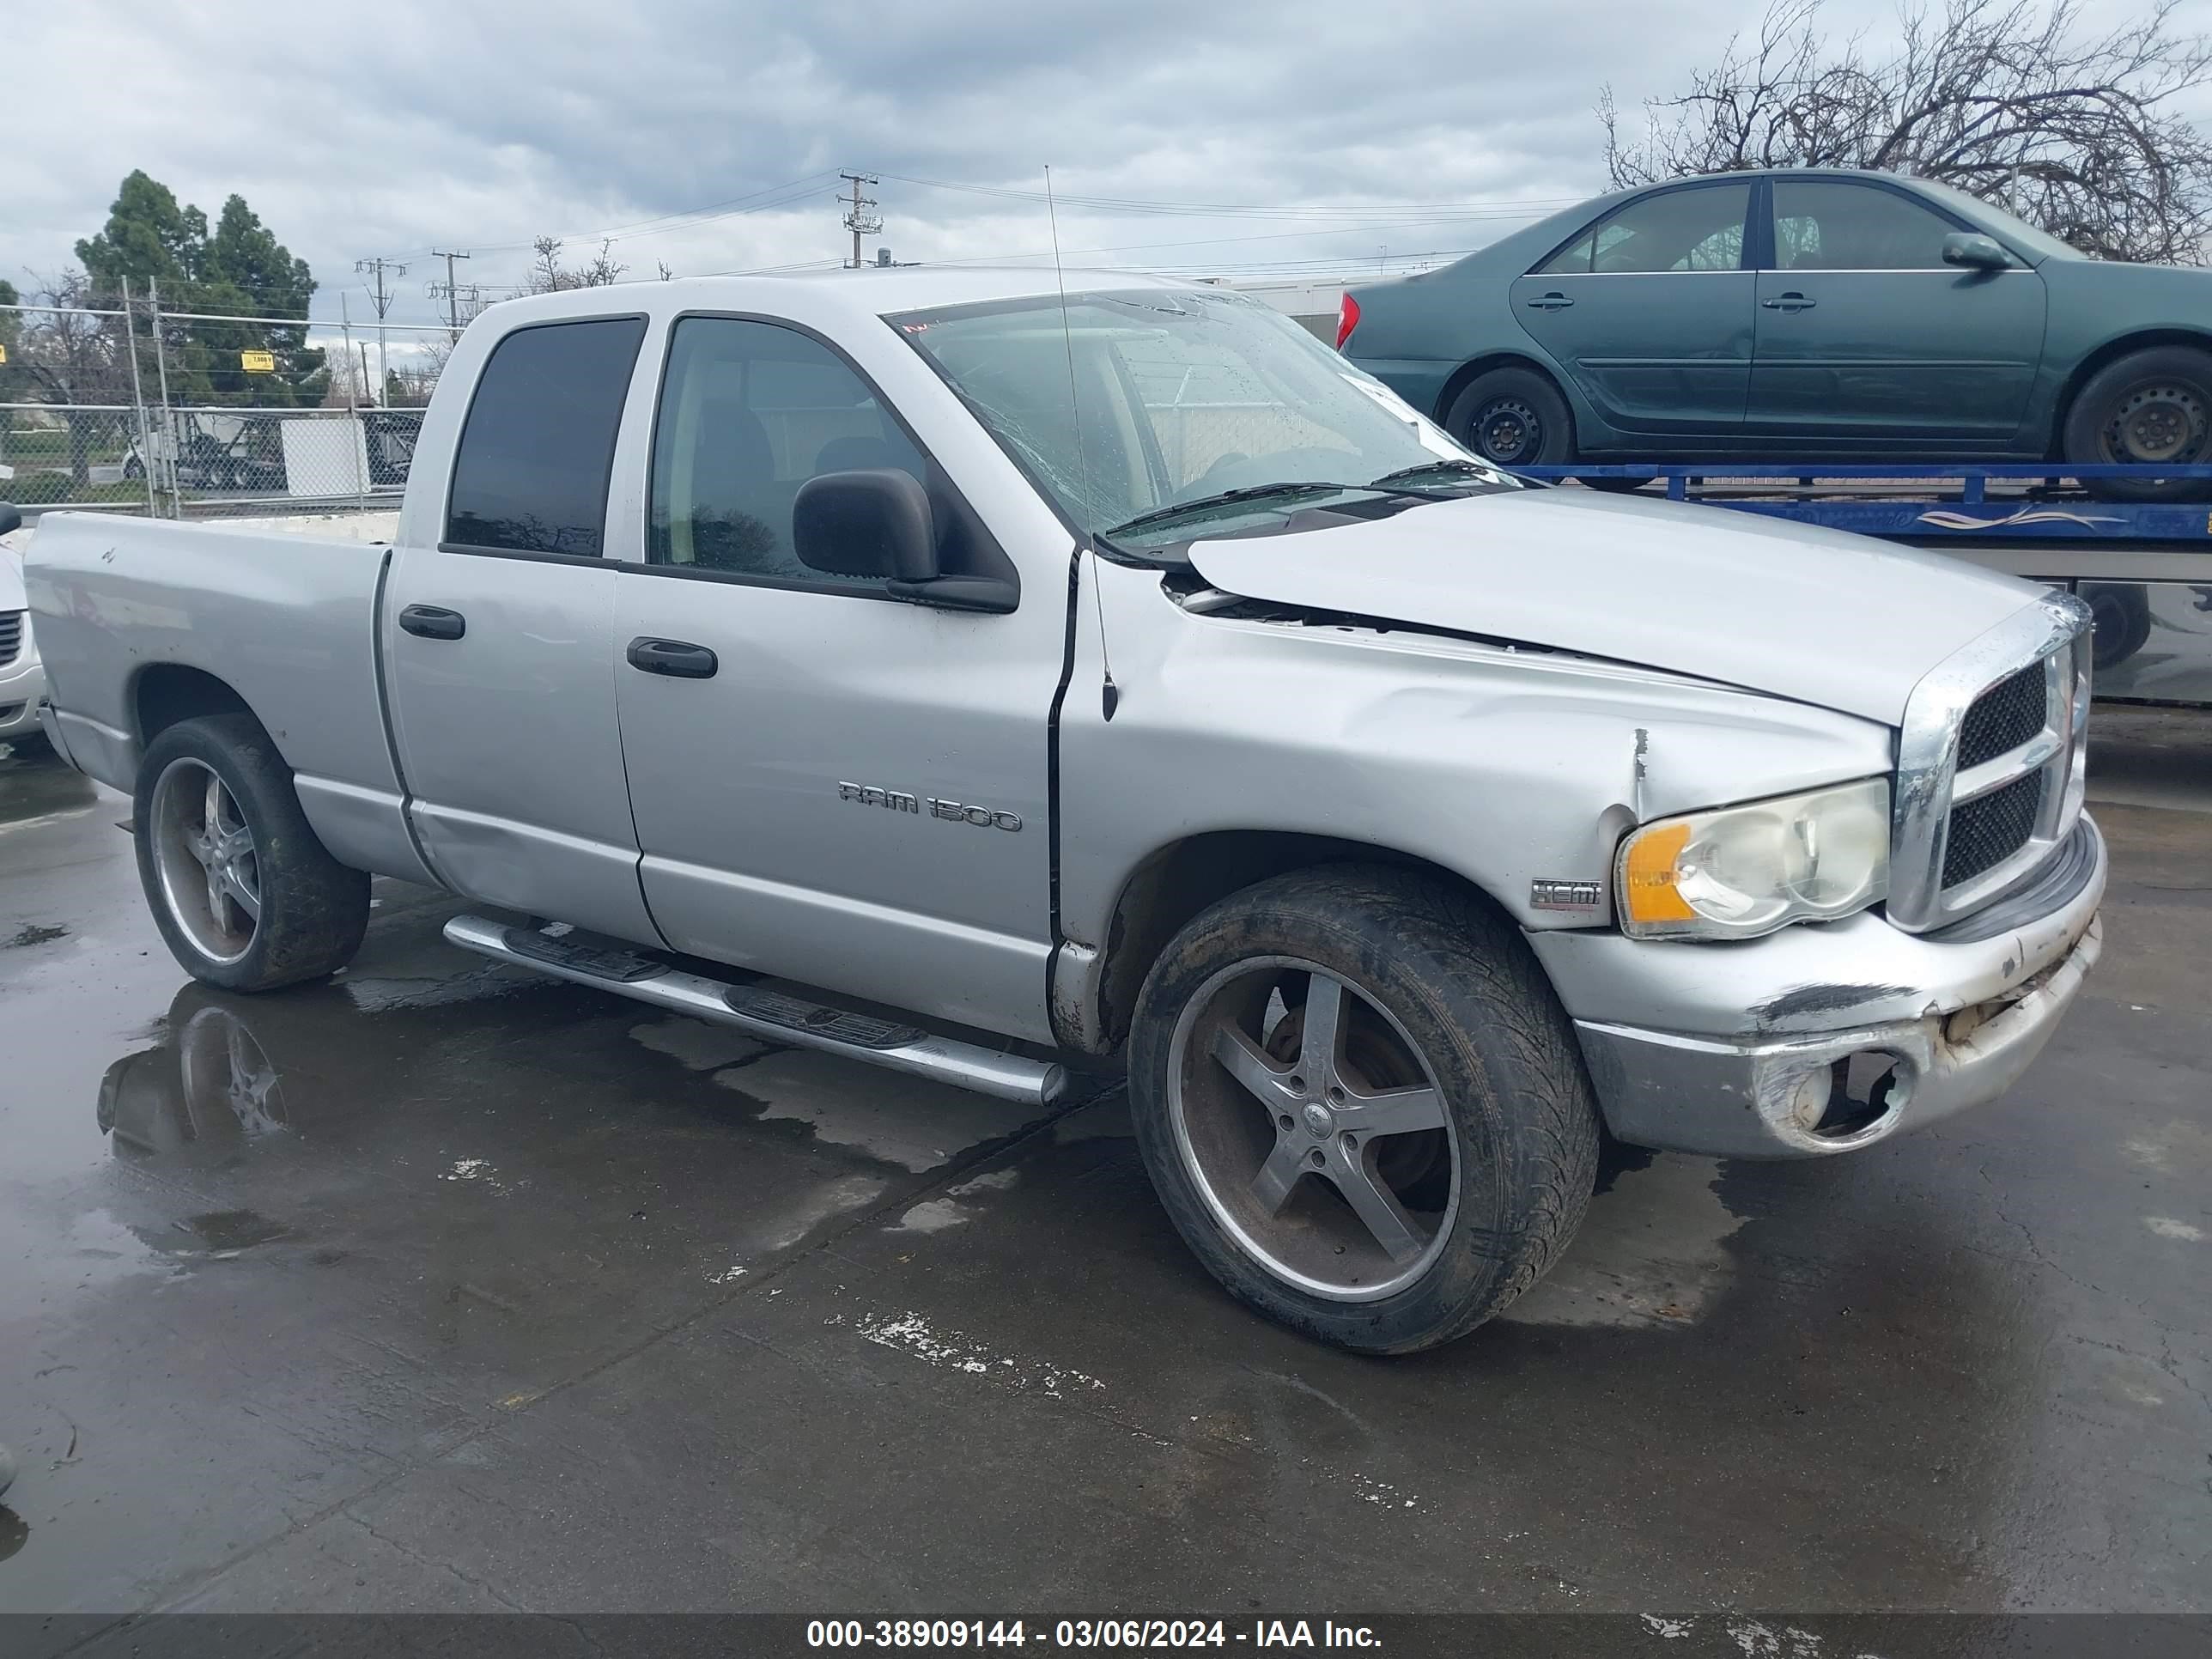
{"x":549,"y":276}
{"x":73,"y":357}
{"x":2007,"y":99}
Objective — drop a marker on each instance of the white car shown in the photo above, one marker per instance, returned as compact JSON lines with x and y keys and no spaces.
{"x":22,"y":681}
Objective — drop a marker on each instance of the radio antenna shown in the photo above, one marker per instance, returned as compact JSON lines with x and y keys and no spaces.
{"x":1109,"y":695}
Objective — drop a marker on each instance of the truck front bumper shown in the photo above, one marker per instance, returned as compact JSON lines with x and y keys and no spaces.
{"x":1823,"y":1039}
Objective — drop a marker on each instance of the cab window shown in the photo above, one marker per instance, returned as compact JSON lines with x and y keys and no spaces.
{"x":1699,"y":229}
{"x":530,"y":475}
{"x":749,"y":412}
{"x":1827,"y":225}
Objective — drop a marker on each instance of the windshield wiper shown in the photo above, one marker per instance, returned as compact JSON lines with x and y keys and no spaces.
{"x":1408,"y":474}
{"x":1230,"y":498}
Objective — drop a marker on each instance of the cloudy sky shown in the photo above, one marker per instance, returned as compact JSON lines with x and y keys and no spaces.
{"x":1285,"y":139}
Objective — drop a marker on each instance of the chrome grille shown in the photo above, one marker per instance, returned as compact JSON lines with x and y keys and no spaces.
{"x":1988,"y":830}
{"x":2005,"y":718}
{"x":11,"y":635}
{"x":1990,"y":761}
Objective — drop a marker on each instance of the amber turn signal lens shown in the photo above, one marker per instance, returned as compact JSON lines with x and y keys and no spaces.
{"x":1647,"y":878}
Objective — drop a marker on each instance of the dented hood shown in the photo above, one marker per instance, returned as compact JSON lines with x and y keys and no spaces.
{"x":1841,"y":621}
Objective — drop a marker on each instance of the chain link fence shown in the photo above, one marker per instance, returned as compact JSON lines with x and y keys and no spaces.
{"x":124,"y":407}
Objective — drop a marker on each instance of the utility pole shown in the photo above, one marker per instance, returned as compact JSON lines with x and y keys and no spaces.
{"x":452,"y":292}
{"x":858,"y":218}
{"x":384,"y":299}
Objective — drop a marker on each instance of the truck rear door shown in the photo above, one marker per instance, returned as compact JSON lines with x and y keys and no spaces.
{"x":828,"y":784}
{"x":500,"y":640}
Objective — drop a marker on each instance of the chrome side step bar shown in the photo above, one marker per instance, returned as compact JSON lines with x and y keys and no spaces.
{"x":770,"y":1015}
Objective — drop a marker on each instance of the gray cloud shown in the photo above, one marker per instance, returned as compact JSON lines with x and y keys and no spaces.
{"x":413,"y":125}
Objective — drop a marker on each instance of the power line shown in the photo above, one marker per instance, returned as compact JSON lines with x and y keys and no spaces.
{"x":450,"y":290}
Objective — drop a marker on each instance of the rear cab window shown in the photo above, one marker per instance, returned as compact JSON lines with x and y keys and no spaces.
{"x":531,"y":472}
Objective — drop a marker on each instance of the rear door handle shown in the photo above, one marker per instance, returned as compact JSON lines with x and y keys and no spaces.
{"x":677,"y":658}
{"x":1792,"y":300}
{"x":433,"y":621}
{"x":1552,"y":301}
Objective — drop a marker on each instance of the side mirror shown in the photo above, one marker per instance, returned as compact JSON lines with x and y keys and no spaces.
{"x":1975,"y":252}
{"x":874,"y":523}
{"x":10,"y":518}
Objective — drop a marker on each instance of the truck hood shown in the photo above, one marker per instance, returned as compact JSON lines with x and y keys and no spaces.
{"x":1841,"y":621}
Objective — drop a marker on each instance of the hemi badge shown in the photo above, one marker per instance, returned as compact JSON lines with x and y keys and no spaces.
{"x":1565,"y":895}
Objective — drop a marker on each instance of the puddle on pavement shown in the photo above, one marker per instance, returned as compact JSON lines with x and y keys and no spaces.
{"x":36,"y":790}
{"x":231,"y":1230}
{"x":908,"y":1121}
{"x":33,"y":934}
{"x":1652,"y":1252}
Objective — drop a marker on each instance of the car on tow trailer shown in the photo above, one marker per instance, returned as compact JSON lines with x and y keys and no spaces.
{"x":980,"y":677}
{"x":1802,"y":312}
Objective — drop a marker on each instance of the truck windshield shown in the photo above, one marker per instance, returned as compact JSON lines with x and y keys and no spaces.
{"x":1155,"y":417}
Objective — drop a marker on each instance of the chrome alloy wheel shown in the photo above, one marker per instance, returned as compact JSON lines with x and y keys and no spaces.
{"x":204,"y":855}
{"x":1313,"y":1128}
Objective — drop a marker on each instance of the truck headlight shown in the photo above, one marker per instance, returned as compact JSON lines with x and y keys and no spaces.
{"x":1738,"y":872}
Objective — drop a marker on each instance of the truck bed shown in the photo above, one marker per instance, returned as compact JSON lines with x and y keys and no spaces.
{"x":134,"y":611}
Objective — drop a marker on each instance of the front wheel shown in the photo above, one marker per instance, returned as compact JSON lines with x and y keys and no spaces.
{"x":1361,"y":1105}
{"x":2148,"y":409}
{"x":1513,"y":417}
{"x":245,"y":895}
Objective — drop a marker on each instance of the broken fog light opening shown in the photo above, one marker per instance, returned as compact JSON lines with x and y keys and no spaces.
{"x":1863,"y":1089}
{"x":1844,"y":1098}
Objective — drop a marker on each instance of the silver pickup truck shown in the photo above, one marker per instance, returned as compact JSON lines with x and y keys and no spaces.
{"x":974,"y":677}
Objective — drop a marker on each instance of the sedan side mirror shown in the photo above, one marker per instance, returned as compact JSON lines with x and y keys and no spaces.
{"x":873,"y":523}
{"x":1974,"y":252}
{"x":10,"y":518}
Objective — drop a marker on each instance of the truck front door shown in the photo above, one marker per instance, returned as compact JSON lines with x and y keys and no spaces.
{"x":500,"y":647}
{"x":828,"y":784}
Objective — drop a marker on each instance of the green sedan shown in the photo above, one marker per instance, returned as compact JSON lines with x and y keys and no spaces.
{"x":1774,"y":316}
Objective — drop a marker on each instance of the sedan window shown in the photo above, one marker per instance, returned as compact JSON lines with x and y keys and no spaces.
{"x":1825,"y":225}
{"x":1699,"y":229}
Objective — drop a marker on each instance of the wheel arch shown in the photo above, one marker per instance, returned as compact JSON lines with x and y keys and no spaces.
{"x":1468,"y":372}
{"x":162,"y":693}
{"x":1174,"y":882}
{"x":2102,"y":357}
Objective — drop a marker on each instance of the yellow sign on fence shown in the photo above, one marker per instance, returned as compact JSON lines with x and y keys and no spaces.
{"x":258,"y":362}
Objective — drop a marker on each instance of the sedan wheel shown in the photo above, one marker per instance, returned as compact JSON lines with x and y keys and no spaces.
{"x":2150,"y":408}
{"x":1313,"y":1128}
{"x":1509,"y":431}
{"x":2161,"y":423}
{"x":203,"y":852}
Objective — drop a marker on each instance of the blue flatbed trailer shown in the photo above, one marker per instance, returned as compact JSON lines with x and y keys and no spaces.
{"x":2144,"y":567}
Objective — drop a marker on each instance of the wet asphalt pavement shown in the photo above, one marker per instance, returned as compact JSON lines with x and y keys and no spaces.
{"x":441,"y":1287}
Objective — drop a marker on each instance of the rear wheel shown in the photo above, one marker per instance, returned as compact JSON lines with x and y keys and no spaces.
{"x":2149,"y":408}
{"x":1362,"y":1106}
{"x":245,"y":895}
{"x":1514,"y":417}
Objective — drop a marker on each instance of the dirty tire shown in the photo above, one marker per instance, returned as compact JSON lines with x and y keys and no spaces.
{"x":314,"y":910}
{"x":1462,"y":986}
{"x":2160,"y":395}
{"x":1513,"y":417}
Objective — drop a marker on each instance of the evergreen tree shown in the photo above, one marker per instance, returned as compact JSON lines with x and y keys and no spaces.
{"x":238,"y":270}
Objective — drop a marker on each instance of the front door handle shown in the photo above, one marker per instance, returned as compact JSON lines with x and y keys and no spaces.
{"x":433,"y":621}
{"x":1554,"y":301}
{"x":1793,"y":300}
{"x":677,"y":658}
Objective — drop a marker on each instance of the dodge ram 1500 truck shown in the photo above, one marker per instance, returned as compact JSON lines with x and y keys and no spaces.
{"x":964,"y":674}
